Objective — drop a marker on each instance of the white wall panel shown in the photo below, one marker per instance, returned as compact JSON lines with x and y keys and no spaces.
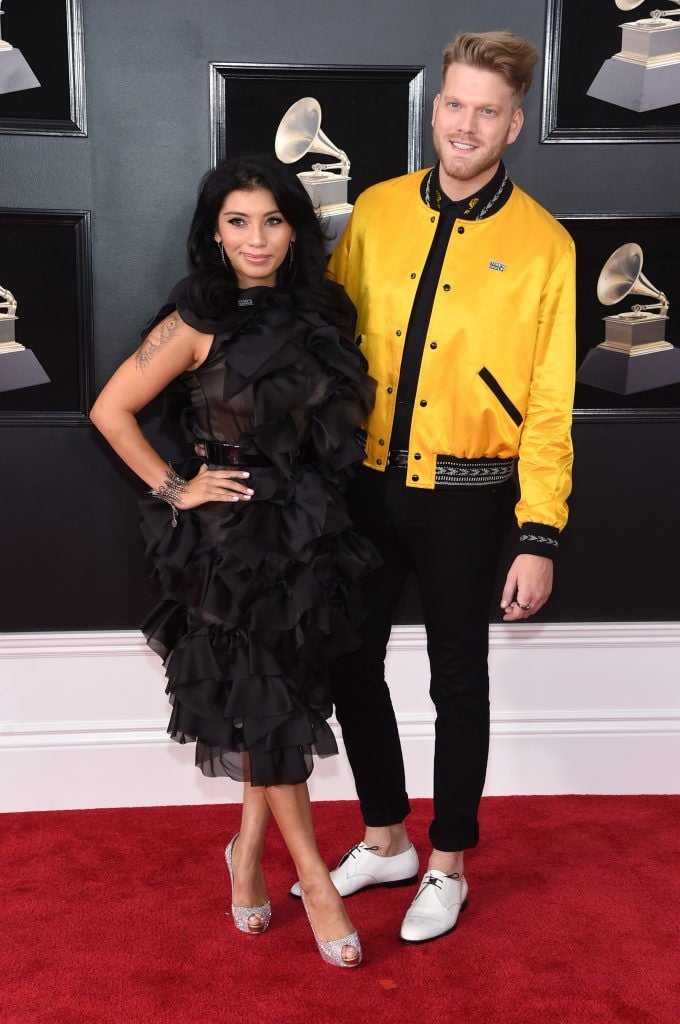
{"x":590,"y":708}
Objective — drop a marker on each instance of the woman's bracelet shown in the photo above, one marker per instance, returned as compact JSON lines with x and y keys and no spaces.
{"x":170,"y":491}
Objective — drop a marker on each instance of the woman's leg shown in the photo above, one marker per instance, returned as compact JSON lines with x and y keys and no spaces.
{"x":291,"y":808}
{"x":249,"y":887}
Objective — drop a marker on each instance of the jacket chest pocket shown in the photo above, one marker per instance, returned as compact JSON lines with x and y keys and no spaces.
{"x":493,"y":385}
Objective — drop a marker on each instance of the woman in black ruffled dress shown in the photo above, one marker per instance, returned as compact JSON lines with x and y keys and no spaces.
{"x":255,"y":552}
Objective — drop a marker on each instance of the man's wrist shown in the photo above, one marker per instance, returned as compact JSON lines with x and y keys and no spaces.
{"x":538,"y":539}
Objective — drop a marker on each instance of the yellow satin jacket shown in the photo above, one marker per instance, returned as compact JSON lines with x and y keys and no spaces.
{"x":497,"y":372}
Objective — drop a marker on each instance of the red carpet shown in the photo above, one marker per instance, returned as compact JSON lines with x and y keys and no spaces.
{"x":119,"y":916}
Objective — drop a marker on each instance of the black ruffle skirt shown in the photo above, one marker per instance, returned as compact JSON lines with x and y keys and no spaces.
{"x":258,"y":598}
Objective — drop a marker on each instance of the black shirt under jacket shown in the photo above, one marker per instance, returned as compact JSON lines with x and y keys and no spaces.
{"x":488,"y":200}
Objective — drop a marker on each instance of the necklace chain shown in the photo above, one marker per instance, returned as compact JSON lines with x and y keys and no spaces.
{"x":494,"y":199}
{"x":485,"y":209}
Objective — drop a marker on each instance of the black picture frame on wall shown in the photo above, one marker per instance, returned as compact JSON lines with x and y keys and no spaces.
{"x":579,"y":39}
{"x":373,"y":113}
{"x":596,"y":238}
{"x":49,"y":34}
{"x":45,"y":262}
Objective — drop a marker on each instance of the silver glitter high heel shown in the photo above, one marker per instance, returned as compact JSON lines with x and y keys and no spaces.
{"x":243,"y":916}
{"x":331,"y":951}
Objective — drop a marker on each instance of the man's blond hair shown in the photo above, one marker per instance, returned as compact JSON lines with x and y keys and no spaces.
{"x":510,"y":56}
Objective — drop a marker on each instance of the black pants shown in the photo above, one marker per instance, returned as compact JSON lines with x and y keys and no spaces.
{"x":451,"y":539}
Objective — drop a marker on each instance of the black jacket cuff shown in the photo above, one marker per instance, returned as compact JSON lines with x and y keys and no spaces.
{"x":538,"y":539}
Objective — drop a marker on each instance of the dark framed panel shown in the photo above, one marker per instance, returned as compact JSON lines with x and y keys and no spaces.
{"x":375,"y":114}
{"x":596,"y":238}
{"x":45,"y":262}
{"x":579,"y":39}
{"x":49,"y":34}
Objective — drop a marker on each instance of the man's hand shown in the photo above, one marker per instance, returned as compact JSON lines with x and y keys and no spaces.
{"x":527,"y":587}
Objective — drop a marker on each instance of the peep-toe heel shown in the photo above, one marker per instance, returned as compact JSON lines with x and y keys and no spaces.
{"x":243,"y":916}
{"x":331,"y":950}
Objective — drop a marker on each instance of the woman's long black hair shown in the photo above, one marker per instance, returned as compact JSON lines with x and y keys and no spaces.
{"x":212,"y":287}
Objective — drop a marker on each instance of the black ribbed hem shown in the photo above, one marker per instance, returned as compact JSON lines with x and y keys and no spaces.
{"x":538,"y":539}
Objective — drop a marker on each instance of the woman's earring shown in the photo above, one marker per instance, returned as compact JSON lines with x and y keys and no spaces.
{"x":224,"y":258}
{"x":291,"y":256}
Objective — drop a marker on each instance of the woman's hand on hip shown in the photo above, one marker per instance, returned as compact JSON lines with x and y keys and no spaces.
{"x":215,"y":485}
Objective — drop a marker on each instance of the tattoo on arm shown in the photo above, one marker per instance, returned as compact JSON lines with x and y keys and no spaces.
{"x":154,"y":340}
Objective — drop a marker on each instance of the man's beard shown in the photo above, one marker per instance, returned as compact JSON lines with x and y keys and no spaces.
{"x":466,"y":168}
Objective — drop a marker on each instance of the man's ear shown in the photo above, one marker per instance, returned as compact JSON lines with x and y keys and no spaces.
{"x":515,"y":125}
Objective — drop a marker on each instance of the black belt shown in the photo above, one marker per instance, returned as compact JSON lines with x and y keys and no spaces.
{"x":219,"y":454}
{"x":453,"y":472}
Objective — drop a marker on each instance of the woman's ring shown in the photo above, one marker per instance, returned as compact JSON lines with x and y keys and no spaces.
{"x":524,"y":607}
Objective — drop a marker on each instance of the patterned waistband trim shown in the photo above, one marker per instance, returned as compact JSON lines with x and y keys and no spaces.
{"x":453,"y":472}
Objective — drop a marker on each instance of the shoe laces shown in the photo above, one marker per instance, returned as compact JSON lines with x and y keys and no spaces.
{"x":355,"y":850}
{"x":436,"y":882}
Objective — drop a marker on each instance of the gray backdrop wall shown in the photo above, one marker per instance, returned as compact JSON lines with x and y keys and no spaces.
{"x":71,"y":557}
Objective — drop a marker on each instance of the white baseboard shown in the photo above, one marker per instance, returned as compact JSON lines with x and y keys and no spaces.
{"x":576,"y":708}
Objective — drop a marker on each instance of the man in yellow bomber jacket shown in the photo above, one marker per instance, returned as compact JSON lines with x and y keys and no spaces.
{"x":464,"y":288}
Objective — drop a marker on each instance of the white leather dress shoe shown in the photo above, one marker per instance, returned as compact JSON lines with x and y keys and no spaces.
{"x":360,"y":868}
{"x":436,"y":907}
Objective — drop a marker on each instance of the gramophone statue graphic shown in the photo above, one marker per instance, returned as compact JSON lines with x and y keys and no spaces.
{"x":645,"y":73}
{"x":635,"y":355}
{"x":300,"y":133}
{"x":19,"y":368}
{"x":15,"y":73}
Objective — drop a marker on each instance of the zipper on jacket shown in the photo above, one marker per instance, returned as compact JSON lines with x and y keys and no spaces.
{"x":493,"y":385}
